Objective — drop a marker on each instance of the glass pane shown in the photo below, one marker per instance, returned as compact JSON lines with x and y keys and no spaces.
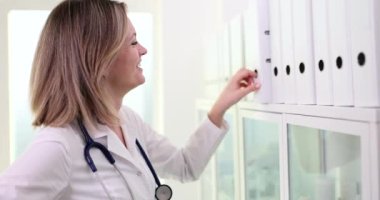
{"x":225,"y":165}
{"x":261,"y":160}
{"x":207,"y":183}
{"x":211,"y":66}
{"x":141,"y":99}
{"x":323,"y":164}
{"x":24,"y":29}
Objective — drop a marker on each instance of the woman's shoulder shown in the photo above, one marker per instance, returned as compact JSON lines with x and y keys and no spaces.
{"x":51,"y":158}
{"x":129,"y":114}
{"x":132,"y":119}
{"x":63,"y":135}
{"x":127,"y":110}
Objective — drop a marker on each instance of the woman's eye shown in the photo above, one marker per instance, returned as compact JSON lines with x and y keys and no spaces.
{"x":134,"y":43}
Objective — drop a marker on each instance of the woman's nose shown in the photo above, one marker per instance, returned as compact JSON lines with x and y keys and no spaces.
{"x":143,"y":50}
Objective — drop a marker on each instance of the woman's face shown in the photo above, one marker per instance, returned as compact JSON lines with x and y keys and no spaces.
{"x":125,"y":72}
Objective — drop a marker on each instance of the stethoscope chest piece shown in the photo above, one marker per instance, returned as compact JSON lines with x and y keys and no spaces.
{"x":163,"y":192}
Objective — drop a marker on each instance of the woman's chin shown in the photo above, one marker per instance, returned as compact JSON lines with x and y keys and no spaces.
{"x":141,"y":81}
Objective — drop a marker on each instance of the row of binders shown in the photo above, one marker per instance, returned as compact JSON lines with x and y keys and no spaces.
{"x":323,"y":52}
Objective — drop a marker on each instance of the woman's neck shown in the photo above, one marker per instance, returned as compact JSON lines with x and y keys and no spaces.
{"x":117,"y":103}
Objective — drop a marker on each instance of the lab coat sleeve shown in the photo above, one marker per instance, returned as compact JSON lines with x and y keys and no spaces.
{"x":186,"y":163}
{"x":42,"y":172}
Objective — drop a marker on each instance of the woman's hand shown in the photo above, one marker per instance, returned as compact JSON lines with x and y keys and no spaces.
{"x":241,"y":84}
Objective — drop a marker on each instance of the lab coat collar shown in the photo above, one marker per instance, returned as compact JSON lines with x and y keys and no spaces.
{"x":102,"y":130}
{"x":109,"y":139}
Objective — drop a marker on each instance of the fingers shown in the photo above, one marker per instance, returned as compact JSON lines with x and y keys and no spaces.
{"x":252,"y":87}
{"x":244,"y":72}
{"x":256,"y":85}
{"x":245,"y":77}
{"x":242,"y":83}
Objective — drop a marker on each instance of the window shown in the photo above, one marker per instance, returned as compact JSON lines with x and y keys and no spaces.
{"x":24,"y":30}
{"x":24,"y":27}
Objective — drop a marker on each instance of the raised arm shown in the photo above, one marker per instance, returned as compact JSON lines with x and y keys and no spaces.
{"x":241,"y":84}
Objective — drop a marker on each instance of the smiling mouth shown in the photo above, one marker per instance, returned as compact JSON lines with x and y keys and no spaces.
{"x":139,"y":67}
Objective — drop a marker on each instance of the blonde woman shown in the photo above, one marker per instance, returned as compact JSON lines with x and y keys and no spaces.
{"x":88,"y":145}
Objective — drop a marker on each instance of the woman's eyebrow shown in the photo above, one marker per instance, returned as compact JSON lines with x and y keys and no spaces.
{"x":131,"y":36}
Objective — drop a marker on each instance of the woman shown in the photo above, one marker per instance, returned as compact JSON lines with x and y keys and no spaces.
{"x":87,"y":59}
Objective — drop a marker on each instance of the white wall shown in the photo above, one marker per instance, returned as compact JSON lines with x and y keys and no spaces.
{"x":4,"y":104}
{"x":184,"y":24}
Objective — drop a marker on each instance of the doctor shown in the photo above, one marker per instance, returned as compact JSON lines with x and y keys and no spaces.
{"x":88,"y":145}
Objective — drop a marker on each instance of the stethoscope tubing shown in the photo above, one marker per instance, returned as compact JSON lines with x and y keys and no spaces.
{"x":148,"y":163}
{"x":90,"y":143}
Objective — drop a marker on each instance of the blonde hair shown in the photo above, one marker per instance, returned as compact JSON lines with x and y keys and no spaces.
{"x":78,"y":43}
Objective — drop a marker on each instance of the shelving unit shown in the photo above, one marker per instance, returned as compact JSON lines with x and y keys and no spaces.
{"x":305,"y":152}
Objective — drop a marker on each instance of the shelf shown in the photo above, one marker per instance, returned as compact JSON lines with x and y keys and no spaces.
{"x":335,"y":112}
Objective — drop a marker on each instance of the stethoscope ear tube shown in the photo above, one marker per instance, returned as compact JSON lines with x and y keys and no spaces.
{"x":90,"y":143}
{"x":163,"y":192}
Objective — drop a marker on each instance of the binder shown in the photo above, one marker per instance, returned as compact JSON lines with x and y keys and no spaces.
{"x":322,"y":64}
{"x":287,"y":52}
{"x":236,"y":45}
{"x":364,"y":29}
{"x":256,"y":47}
{"x":275,"y":45}
{"x":303,"y":51}
{"x":340,"y":53}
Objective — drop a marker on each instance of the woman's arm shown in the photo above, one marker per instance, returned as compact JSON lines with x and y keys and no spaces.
{"x":187,"y":163}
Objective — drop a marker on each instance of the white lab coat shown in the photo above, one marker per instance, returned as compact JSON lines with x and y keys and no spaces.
{"x":53,"y":167}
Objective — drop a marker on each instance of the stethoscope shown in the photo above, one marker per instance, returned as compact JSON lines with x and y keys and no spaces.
{"x":162,"y":192}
